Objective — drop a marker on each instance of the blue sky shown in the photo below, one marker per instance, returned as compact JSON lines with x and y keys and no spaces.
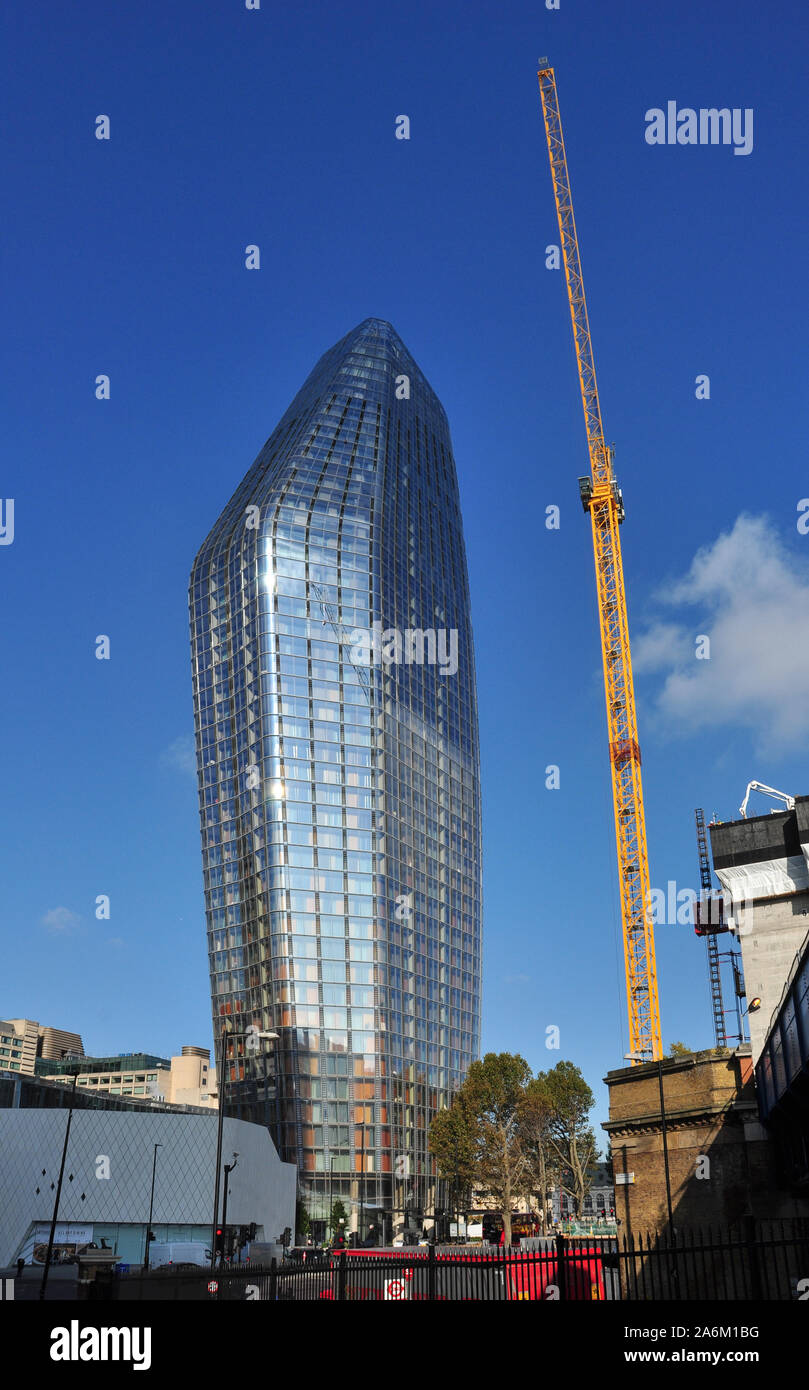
{"x":126,"y":257}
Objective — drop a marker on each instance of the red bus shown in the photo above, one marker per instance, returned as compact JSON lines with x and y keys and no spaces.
{"x":476,"y":1275}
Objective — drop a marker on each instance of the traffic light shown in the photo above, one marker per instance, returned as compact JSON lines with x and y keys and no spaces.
{"x":252,"y":1231}
{"x":286,"y":1239}
{"x":150,"y":1235}
{"x":219,"y":1244}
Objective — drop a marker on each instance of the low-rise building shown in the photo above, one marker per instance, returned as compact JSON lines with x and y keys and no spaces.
{"x":115,"y":1147}
{"x":598,"y":1203}
{"x":187,"y":1079}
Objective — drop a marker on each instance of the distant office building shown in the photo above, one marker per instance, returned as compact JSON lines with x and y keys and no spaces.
{"x":185,"y":1080}
{"x":22,"y":1042}
{"x":337,"y":753}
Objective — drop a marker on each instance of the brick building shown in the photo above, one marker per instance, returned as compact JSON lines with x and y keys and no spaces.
{"x":721,"y":1160}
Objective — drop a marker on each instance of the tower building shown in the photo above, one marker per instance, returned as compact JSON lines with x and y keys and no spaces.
{"x":337,"y":755}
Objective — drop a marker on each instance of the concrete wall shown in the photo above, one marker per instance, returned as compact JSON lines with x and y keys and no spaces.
{"x":774,"y":934}
{"x":764,"y":860}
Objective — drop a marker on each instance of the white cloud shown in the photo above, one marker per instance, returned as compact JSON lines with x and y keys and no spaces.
{"x":59,"y":919}
{"x":656,"y":649}
{"x":751,"y":597}
{"x":181,"y":755}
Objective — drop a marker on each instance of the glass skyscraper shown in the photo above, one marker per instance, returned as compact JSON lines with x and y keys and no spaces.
{"x":337,"y":755}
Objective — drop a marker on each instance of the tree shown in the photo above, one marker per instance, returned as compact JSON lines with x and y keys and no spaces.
{"x":679,"y":1049}
{"x":513,"y":1135}
{"x":338,"y":1214}
{"x":485,"y":1131}
{"x":452,"y":1142}
{"x":536,"y":1115}
{"x":302,"y":1223}
{"x":570,"y":1136}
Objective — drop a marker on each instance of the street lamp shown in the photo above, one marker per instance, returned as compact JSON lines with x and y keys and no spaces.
{"x":228,"y":1170}
{"x":43,"y":1286}
{"x":227,"y":1033}
{"x":331,"y":1194}
{"x":455,"y":1182}
{"x":151,"y":1208}
{"x":362,"y":1185}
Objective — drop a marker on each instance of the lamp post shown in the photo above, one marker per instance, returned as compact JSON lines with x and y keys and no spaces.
{"x":331,"y":1194}
{"x":151,"y":1208}
{"x":228,"y":1170}
{"x":49,"y":1255}
{"x":227,"y":1033}
{"x":455,"y":1183}
{"x":362,"y":1186}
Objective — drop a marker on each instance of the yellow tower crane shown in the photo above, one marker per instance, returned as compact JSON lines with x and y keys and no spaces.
{"x":601,"y":497}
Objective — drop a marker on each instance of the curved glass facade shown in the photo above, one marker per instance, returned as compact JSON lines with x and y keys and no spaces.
{"x":337,"y":754}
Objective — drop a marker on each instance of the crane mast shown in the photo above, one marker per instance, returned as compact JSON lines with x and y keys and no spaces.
{"x":602,"y":499}
{"x":714,"y":973}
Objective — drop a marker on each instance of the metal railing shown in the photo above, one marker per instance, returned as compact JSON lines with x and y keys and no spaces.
{"x":766,"y":1261}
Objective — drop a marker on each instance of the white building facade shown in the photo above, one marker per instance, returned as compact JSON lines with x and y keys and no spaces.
{"x":108,"y":1174}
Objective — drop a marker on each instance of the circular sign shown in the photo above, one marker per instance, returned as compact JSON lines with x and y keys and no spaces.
{"x":213,"y":1286}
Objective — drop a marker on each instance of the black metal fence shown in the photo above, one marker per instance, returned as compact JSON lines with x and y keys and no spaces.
{"x":766,"y":1261}
{"x":761,"y":1260}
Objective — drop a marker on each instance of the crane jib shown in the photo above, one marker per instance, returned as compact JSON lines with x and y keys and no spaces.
{"x":601,"y":497}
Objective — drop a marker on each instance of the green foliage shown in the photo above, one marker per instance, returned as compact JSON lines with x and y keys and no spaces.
{"x":570,"y":1097}
{"x":512,"y":1135}
{"x":452,"y":1141}
{"x":679,"y":1049}
{"x":494,"y":1088}
{"x":571,"y":1141}
{"x":302,"y":1223}
{"x":338,"y":1214}
{"x":536,"y":1116}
